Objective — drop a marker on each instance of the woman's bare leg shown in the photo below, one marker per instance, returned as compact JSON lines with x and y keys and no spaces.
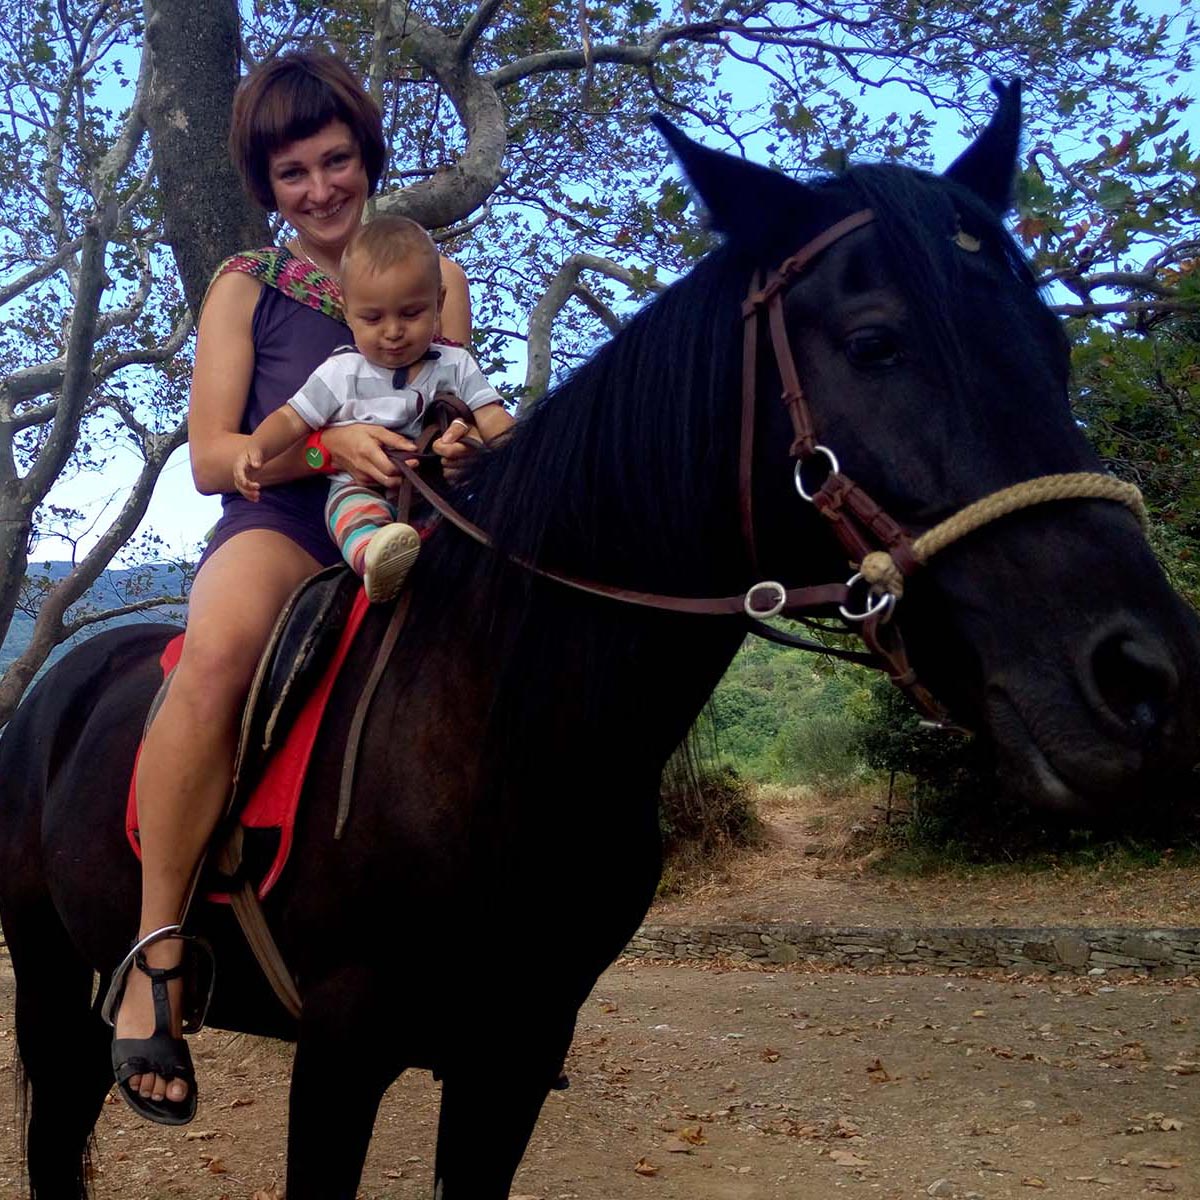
{"x":187,"y":761}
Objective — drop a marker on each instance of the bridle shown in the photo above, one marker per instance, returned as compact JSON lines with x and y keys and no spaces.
{"x":881,"y":552}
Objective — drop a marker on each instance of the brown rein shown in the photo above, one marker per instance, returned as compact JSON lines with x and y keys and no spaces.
{"x":880,"y":550}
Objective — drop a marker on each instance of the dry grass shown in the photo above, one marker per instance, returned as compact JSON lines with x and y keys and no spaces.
{"x":830,"y":860}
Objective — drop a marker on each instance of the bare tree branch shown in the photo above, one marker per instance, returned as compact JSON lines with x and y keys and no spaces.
{"x":480,"y":19}
{"x":49,"y":628}
{"x":74,"y":626}
{"x":559,"y":291}
{"x":611,"y":321}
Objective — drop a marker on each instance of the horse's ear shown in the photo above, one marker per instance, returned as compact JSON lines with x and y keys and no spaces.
{"x":988,"y":166}
{"x":742,"y":198}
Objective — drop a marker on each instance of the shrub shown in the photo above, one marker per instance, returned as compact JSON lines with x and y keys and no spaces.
{"x":705,"y":812}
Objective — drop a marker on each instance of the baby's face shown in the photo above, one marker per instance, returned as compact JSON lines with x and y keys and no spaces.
{"x":393,"y":313}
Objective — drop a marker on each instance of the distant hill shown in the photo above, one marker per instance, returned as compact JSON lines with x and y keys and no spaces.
{"x":109,"y":591}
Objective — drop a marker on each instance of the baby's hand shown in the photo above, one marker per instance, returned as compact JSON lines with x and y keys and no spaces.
{"x":247,"y":465}
{"x":453,"y":449}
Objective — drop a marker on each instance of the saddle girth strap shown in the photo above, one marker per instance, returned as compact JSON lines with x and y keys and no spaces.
{"x":244,"y":901}
{"x":362,"y":708}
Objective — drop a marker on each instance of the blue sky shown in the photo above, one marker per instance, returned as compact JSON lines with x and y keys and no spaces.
{"x":182,"y":517}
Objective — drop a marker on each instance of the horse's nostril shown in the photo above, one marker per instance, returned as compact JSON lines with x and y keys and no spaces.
{"x":1134,"y":682}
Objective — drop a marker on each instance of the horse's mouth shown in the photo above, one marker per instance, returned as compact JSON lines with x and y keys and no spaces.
{"x":1025,"y":765}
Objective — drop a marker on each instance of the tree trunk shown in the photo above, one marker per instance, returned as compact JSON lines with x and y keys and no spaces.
{"x":195,"y":53}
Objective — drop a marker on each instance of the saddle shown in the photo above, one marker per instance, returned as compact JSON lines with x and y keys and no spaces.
{"x":283,"y":713}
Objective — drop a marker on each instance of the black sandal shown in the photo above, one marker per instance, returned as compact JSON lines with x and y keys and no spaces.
{"x":160,"y":1054}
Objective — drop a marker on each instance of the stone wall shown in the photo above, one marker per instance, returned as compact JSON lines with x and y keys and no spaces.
{"x":1117,"y":952}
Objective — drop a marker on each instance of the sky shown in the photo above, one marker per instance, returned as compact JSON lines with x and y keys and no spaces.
{"x":182,"y":518}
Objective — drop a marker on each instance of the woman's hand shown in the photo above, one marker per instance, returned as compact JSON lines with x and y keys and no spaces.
{"x":362,"y":450}
{"x":461,"y":440}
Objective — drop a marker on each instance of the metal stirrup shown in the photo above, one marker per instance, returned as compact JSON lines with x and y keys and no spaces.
{"x":116,"y":987}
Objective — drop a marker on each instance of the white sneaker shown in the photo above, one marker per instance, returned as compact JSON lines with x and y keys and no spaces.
{"x":389,"y":557}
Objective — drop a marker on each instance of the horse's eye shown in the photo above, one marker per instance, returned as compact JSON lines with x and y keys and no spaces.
{"x":873,"y":349}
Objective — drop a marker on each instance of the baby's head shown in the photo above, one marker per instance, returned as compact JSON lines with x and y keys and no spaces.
{"x":392,"y":290}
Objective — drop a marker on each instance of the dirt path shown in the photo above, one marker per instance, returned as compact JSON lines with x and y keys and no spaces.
{"x":692,"y":1084}
{"x":819,"y":866}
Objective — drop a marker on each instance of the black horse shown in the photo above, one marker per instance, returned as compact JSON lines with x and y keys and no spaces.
{"x":509,"y":770}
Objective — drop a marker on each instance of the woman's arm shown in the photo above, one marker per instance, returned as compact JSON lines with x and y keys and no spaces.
{"x":491,"y":420}
{"x":221,"y":387}
{"x":456,"y":307}
{"x":221,"y":381}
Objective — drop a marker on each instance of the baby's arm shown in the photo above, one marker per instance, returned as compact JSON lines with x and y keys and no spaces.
{"x":492,"y":420}
{"x":277,"y":433}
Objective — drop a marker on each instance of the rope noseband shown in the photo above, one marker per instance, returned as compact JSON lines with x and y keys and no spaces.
{"x":879,"y":549}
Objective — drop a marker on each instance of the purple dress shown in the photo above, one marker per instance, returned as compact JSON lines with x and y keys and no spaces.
{"x":290,"y":341}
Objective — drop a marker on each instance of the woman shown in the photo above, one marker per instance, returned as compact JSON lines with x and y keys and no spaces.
{"x":308,"y":143}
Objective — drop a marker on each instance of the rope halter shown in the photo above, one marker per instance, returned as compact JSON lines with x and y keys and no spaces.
{"x":884,"y":575}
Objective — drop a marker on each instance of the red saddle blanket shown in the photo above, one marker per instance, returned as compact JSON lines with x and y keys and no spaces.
{"x":269,"y":815}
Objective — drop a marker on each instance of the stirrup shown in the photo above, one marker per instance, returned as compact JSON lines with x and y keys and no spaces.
{"x":197,"y":968}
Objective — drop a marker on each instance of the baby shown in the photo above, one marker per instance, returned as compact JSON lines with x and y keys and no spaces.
{"x":392,"y":291}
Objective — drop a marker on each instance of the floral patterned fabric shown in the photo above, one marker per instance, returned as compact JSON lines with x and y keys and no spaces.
{"x":278,"y":267}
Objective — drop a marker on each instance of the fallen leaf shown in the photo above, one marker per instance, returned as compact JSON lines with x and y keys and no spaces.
{"x":241,"y":1101}
{"x":215,"y":1166}
{"x":1033,"y":1181}
{"x":644,"y":1166}
{"x":200,"y":1135}
{"x":1161,"y":1164}
{"x":693,"y":1135}
{"x":769,"y":1055}
{"x":843,"y":1127}
{"x":847,"y":1158}
{"x":877,"y":1073}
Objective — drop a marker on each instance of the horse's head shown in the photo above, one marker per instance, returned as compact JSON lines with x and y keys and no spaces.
{"x":937,"y":376}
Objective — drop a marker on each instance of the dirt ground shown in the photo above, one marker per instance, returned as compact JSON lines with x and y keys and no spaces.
{"x":711,"y":1083}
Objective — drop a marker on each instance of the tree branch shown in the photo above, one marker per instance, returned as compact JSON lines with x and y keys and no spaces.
{"x":49,"y":628}
{"x":541,"y":320}
{"x":72,"y":627}
{"x":480,"y":19}
{"x":77,"y":372}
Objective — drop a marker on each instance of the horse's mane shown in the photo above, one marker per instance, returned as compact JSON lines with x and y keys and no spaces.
{"x":644,"y":426}
{"x":625,"y":472}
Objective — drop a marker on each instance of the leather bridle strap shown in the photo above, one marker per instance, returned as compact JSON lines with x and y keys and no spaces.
{"x":819,"y":596}
{"x":879,"y":548}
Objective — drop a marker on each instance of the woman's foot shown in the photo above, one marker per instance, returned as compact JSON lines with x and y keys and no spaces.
{"x":388,"y":559}
{"x":149,"y":1034}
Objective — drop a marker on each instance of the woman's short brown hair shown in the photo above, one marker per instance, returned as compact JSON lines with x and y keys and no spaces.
{"x":292,"y":97}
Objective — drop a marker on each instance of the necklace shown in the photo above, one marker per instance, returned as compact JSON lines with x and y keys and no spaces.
{"x":308,"y":258}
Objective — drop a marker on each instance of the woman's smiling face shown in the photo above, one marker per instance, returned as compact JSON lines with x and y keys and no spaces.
{"x":320,"y":187}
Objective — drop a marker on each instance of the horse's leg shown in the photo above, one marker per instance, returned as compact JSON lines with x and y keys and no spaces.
{"x":491,"y":1098}
{"x":343,"y":1066}
{"x":64,"y":1050}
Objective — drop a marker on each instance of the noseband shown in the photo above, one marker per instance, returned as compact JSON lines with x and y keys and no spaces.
{"x":881,"y":552}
